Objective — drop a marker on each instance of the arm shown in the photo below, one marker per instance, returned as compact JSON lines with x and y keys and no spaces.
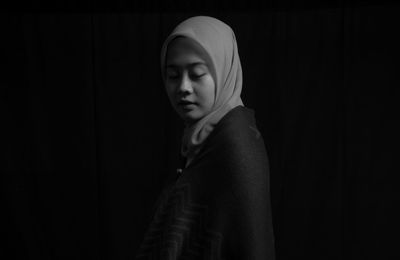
{"x":251,"y":219}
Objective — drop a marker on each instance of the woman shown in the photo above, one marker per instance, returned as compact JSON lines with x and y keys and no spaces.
{"x":219,"y":205}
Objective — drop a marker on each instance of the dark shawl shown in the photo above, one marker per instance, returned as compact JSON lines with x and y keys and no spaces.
{"x":219,"y":206}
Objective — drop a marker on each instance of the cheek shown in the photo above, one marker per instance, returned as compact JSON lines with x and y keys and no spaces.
{"x":169,"y":87}
{"x":209,"y":91}
{"x":170,"y":91}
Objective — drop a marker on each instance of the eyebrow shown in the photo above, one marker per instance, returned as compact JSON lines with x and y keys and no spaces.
{"x":189,"y":65}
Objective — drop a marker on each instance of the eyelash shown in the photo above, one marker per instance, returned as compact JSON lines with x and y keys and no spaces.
{"x":191,"y":76}
{"x":198,"y":76}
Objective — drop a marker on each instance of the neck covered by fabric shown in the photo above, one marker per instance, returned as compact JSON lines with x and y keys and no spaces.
{"x":219,"y":41}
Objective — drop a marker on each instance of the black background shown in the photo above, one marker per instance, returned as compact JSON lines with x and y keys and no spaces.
{"x":90,"y":137}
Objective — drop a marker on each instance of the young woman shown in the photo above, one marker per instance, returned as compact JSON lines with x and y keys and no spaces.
{"x":219,"y":205}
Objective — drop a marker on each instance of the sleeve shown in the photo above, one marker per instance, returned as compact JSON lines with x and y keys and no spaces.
{"x":251,"y":219}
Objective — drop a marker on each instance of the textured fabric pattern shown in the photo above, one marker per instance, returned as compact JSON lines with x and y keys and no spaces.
{"x":179,"y":228}
{"x":219,"y":207}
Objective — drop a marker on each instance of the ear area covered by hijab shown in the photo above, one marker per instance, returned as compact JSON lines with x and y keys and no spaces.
{"x":219,"y":42}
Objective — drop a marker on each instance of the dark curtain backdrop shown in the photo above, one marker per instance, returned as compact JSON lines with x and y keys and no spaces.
{"x":89,"y":137}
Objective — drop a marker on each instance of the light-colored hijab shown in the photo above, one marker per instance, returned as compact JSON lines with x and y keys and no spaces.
{"x":219,"y":42}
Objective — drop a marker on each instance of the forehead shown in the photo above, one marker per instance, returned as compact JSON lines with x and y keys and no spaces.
{"x":183,"y":50}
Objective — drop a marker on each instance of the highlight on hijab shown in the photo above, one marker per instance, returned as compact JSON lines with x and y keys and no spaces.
{"x":219,"y":42}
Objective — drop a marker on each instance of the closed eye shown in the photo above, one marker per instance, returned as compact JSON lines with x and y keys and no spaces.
{"x":197,"y":76}
{"x":172,"y":77}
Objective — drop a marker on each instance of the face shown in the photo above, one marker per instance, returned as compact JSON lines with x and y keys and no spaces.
{"x":188,"y":81}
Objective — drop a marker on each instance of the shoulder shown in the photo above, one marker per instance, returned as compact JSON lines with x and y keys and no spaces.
{"x":240,"y":155}
{"x":239,"y":144}
{"x":238,"y":129}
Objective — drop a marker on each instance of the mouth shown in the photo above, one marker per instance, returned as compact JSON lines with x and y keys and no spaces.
{"x":186,"y":105}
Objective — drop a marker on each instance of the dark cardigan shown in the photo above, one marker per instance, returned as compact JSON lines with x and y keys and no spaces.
{"x":219,"y":207}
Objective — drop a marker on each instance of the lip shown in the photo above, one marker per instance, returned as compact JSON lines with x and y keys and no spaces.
{"x":185,"y":103}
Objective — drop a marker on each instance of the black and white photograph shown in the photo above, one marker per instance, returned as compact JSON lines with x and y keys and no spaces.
{"x":200,"y":131}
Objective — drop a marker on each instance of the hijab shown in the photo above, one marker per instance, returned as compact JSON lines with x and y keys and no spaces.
{"x":219,"y":42}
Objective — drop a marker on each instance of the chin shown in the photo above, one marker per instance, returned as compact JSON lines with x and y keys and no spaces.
{"x":191,"y":118}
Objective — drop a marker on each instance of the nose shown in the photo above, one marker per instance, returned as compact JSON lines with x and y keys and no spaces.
{"x":185,"y":85}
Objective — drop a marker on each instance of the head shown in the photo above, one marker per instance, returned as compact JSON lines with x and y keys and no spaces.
{"x":189,"y":79}
{"x":201,"y":68}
